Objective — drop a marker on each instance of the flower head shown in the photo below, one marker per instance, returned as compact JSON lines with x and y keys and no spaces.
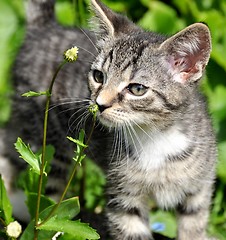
{"x":71,"y":54}
{"x":14,"y":229}
{"x":93,"y":108}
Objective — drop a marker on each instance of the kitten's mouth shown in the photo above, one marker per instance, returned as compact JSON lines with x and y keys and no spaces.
{"x":108,"y":120}
{"x":105,"y":121}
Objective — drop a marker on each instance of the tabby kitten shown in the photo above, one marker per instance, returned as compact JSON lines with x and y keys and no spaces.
{"x":146,"y":86}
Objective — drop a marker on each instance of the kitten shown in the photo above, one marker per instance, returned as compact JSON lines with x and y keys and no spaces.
{"x":147,"y":88}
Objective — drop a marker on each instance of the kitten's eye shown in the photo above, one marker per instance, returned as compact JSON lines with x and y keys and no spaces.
{"x":137,"y":89}
{"x":98,"y":76}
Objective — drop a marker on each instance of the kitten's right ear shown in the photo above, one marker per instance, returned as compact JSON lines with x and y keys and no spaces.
{"x":188,"y":52}
{"x":109,"y":23}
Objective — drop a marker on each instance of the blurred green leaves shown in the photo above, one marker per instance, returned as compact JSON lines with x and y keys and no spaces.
{"x":5,"y":205}
{"x":160,"y":17}
{"x":11,"y":34}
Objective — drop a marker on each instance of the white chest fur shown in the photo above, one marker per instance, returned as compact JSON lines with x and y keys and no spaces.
{"x":153,"y":148}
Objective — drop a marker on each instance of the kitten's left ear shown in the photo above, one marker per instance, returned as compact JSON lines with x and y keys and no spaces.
{"x":188,"y":52}
{"x":110,"y":24}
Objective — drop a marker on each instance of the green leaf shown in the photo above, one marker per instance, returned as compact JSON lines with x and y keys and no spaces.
{"x":27,"y":154}
{"x":76,"y":141}
{"x":68,"y":209}
{"x":5,"y":205}
{"x":80,"y":141}
{"x":75,"y":228}
{"x":168,"y":219}
{"x":79,"y":155}
{"x":79,"y":158}
{"x":49,"y":155}
{"x":29,"y":180}
{"x":32,"y":199}
{"x":35,"y":94}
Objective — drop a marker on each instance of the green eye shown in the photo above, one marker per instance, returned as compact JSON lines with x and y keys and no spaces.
{"x":98,"y":76}
{"x":137,"y":89}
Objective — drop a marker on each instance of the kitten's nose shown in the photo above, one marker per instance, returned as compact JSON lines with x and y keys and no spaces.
{"x":102,"y":107}
{"x":103,"y":101}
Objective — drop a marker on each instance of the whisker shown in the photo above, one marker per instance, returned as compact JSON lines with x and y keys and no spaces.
{"x":82,"y":120}
{"x":138,"y":126}
{"x":81,"y":60}
{"x":126,"y":141}
{"x":114,"y":145}
{"x":91,"y":41}
{"x":120,"y":148}
{"x":67,"y":110}
{"x":133,"y":134}
{"x":70,"y":124}
{"x":75,"y":99}
{"x":86,"y":51}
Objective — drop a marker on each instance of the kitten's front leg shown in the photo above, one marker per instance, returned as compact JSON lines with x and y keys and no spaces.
{"x":193,"y":216}
{"x":127,"y":211}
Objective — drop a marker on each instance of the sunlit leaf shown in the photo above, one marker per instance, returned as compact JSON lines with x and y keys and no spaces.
{"x":5,"y":205}
{"x":68,"y":209}
{"x":79,"y":230}
{"x":32,"y":200}
{"x":80,"y":147}
{"x":27,"y":154}
{"x":35,"y":94}
{"x":77,"y":141}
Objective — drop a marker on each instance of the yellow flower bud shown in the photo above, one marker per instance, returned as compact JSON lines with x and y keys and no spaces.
{"x":71,"y":54}
{"x":93,"y":108}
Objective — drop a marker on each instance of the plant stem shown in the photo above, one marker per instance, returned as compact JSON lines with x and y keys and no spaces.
{"x":43,"y":162}
{"x":71,"y":176}
{"x":3,"y":222}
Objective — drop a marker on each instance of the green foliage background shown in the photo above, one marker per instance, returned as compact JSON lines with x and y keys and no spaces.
{"x":162,"y":16}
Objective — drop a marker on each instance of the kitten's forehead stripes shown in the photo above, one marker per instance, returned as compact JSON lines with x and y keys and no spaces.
{"x":125,"y":54}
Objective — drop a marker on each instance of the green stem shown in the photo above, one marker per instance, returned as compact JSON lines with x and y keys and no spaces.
{"x":71,"y":176}
{"x":3,"y":222}
{"x":43,"y":162}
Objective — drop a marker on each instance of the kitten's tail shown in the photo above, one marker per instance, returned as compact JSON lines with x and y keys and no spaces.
{"x":40,"y":12}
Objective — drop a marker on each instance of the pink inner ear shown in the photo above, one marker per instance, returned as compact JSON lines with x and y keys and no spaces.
{"x":188,"y":53}
{"x":186,"y":62}
{"x":187,"y":66}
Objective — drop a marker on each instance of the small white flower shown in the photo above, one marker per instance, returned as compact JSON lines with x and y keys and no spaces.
{"x":71,"y":54}
{"x":57,"y":235}
{"x":14,"y":229}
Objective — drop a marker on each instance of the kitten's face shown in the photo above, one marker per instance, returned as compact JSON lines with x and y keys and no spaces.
{"x":127,"y":81}
{"x":141,"y":78}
